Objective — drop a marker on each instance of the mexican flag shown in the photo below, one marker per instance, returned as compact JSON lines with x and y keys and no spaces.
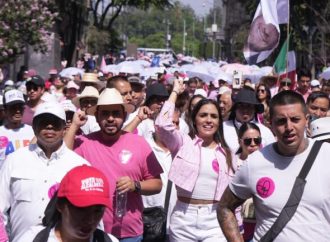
{"x":285,"y":64}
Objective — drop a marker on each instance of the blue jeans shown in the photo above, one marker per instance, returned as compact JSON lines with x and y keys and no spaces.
{"x":132,"y":239}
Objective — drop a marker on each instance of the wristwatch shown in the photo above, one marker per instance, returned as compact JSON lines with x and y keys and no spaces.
{"x":137,"y":186}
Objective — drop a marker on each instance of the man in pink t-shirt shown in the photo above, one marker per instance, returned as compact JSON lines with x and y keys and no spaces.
{"x":304,"y":83}
{"x":125,"y":158}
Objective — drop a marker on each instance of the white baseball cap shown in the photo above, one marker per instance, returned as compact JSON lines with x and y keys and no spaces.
{"x":200,"y":91}
{"x":72,"y":84}
{"x":13,"y":96}
{"x":68,"y":106}
{"x":9,"y":83}
{"x":53,"y":108}
{"x":315,"y":83}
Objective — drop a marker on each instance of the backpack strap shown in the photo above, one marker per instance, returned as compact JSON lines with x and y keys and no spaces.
{"x":101,"y":236}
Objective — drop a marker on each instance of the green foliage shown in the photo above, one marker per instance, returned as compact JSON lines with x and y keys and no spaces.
{"x":22,"y":23}
{"x":149,"y":28}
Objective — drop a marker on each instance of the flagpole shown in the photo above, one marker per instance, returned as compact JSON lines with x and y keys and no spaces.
{"x":288,"y":40}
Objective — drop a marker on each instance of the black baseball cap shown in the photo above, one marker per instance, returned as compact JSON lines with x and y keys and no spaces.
{"x":156,"y":89}
{"x":36,"y":80}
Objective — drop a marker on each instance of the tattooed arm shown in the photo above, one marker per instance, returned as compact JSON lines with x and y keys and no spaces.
{"x":226,"y":216}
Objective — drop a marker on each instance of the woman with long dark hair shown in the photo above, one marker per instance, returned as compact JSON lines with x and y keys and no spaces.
{"x":263,"y":95}
{"x":201,"y":169}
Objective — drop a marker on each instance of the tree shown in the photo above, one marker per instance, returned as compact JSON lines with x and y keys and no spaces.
{"x":106,"y":12}
{"x":23,"y":23}
{"x":149,"y":28}
{"x":71,"y":25}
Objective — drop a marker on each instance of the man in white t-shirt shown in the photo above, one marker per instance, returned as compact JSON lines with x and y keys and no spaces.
{"x":13,"y":133}
{"x":268,"y":176}
{"x":244,"y":110}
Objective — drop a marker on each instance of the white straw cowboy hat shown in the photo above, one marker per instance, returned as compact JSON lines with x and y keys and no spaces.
{"x":93,"y":79}
{"x":320,"y":128}
{"x":111,"y":96}
{"x":88,"y":91}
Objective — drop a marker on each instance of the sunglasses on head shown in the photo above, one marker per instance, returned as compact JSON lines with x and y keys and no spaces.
{"x":248,"y":141}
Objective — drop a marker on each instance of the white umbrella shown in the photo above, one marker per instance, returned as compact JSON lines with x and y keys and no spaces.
{"x":200,"y":72}
{"x":70,"y":71}
{"x":111,"y":68}
{"x":325,"y":74}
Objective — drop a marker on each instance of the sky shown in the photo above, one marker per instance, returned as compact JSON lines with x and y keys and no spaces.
{"x":201,"y":7}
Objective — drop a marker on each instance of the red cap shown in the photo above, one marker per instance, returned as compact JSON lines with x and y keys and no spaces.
{"x":85,"y":186}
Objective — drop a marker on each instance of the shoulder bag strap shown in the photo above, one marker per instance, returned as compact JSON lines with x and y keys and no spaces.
{"x":101,"y":236}
{"x":168,"y":195}
{"x":43,"y":235}
{"x":294,"y":199}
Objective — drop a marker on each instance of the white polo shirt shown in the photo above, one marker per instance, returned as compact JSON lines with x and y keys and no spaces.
{"x":27,"y":182}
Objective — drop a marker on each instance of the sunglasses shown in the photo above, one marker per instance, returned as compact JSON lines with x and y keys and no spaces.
{"x":261,"y":90}
{"x":32,"y":87}
{"x":85,"y":102}
{"x":248,"y":141}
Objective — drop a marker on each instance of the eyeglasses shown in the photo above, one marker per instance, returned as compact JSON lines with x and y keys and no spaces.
{"x":261,"y":90}
{"x":248,"y":141}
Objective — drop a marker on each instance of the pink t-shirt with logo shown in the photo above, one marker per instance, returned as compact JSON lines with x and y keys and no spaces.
{"x":129,"y":156}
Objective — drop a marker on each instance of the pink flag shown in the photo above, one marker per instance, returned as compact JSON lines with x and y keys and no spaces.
{"x":103,"y":65}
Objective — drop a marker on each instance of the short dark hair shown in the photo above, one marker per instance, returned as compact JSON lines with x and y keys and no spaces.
{"x":285,"y":98}
{"x":304,"y":72}
{"x":315,"y":95}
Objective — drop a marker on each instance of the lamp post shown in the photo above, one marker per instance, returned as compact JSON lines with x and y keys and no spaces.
{"x":214,"y":30}
{"x":184,"y":37}
{"x":167,"y":34}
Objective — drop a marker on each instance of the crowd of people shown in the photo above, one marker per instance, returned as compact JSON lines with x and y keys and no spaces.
{"x":73,"y":146}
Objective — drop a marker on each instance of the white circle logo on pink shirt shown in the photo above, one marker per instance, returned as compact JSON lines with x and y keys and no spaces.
{"x":265,"y":187}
